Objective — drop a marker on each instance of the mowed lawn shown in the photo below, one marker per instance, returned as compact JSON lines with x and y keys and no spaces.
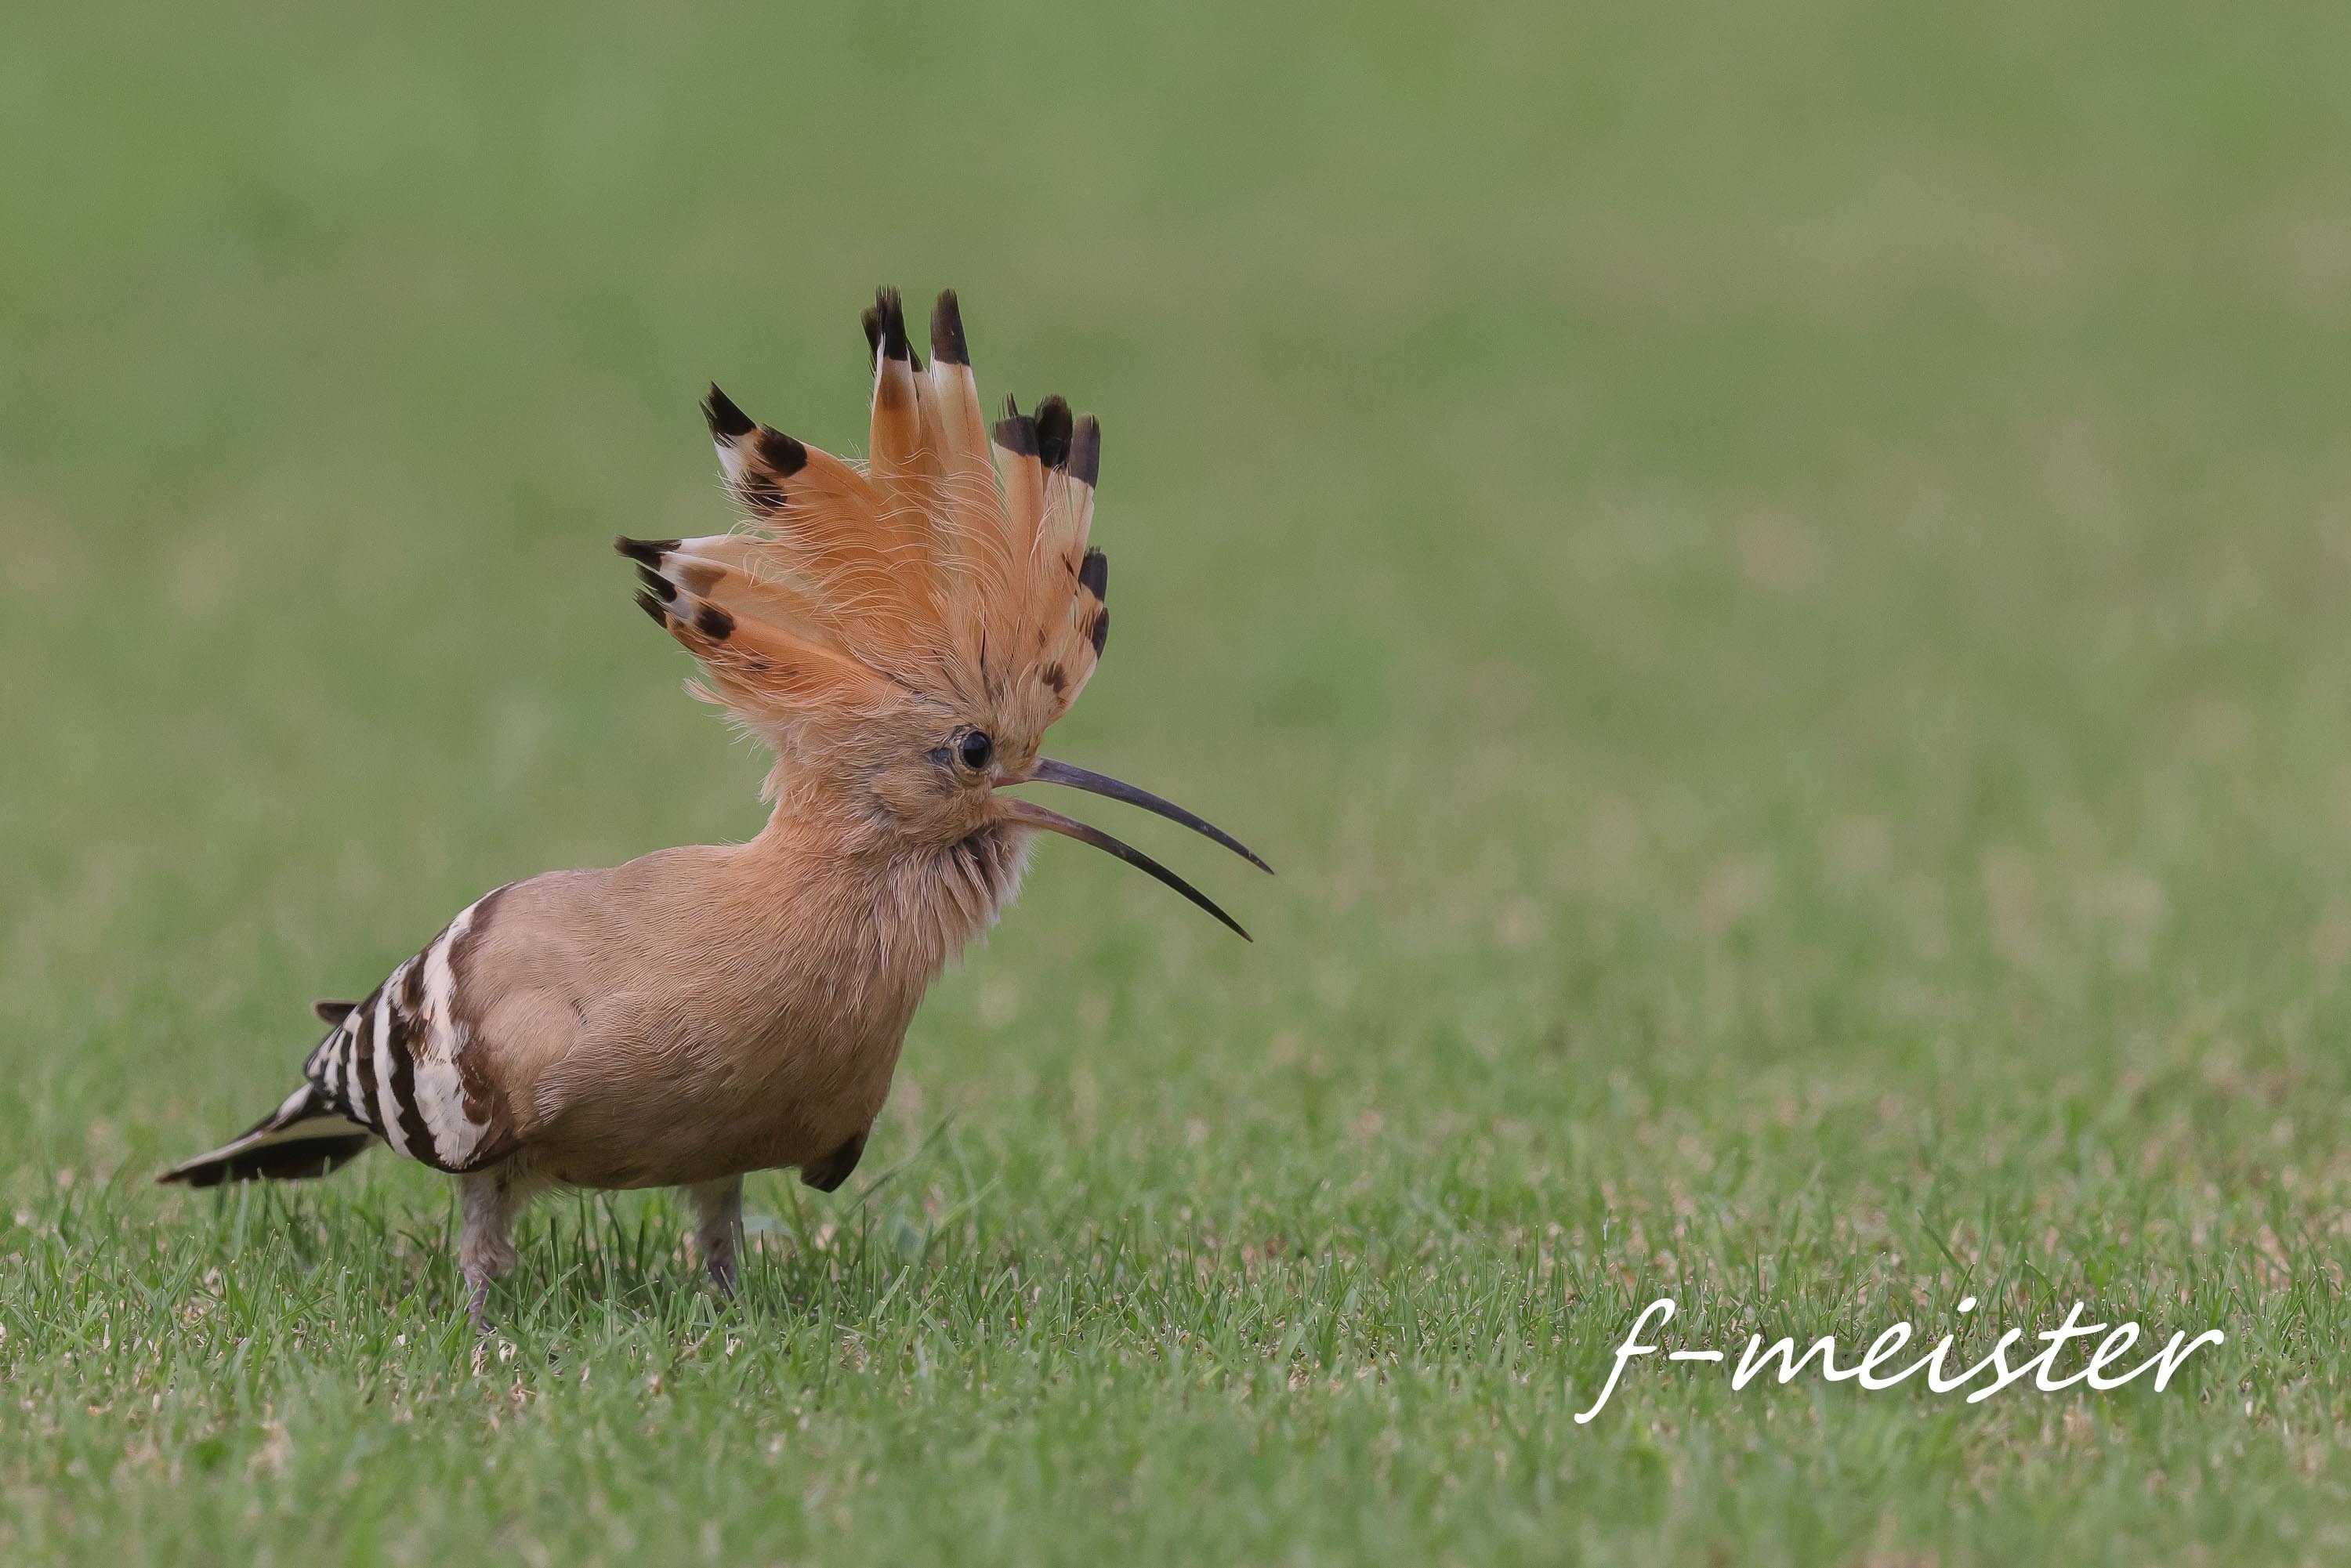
{"x":1776,"y":582}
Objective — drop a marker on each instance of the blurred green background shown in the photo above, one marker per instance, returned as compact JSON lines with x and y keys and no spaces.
{"x":1773,"y":578}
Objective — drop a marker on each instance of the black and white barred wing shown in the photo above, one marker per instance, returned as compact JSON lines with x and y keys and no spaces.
{"x":397,"y":1064}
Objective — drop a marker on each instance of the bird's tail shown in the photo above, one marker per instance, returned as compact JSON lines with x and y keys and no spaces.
{"x":298,"y":1140}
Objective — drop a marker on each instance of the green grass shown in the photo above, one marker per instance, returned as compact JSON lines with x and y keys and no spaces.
{"x":1774,"y":579}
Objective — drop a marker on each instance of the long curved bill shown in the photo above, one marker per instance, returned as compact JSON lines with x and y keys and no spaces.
{"x":1045,"y":770}
{"x":1030,"y":814}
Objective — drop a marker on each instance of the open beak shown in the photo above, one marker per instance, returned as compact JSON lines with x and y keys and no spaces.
{"x":1029,"y":814}
{"x":1045,"y":770}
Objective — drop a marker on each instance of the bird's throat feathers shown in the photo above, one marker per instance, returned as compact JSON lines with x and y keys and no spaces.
{"x":888,"y":906}
{"x":963,"y":889}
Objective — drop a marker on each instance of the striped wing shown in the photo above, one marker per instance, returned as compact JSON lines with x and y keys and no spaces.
{"x":396,"y":1064}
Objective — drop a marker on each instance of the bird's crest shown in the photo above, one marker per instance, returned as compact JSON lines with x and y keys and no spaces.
{"x":950,"y":565}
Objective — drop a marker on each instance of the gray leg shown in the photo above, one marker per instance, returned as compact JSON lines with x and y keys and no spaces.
{"x":718,"y":1210}
{"x":489,"y":1202}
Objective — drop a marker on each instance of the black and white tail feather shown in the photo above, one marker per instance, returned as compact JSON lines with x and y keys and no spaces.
{"x":389,"y":1069}
{"x":302,"y":1138}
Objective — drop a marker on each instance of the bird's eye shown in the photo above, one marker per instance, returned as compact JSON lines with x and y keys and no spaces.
{"x":974,"y":749}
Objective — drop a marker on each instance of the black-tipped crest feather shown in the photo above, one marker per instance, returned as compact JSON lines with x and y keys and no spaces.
{"x":947,"y":344}
{"x":645,"y":552}
{"x":1016,"y":432}
{"x":728,"y":422}
{"x":781,"y":453}
{"x":1053,"y":429}
{"x":885,"y":326}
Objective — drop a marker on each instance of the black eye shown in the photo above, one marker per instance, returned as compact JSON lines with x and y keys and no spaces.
{"x":974,"y":749}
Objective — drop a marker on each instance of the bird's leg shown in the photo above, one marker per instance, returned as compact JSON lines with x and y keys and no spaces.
{"x":488,"y":1202}
{"x":718,"y":1210}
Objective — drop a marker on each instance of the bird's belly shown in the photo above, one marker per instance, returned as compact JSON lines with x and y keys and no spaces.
{"x":676,"y":1129}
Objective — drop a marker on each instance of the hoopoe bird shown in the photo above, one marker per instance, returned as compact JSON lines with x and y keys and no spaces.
{"x":901,"y":634}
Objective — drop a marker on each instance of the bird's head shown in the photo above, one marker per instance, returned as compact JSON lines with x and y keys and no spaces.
{"x":904,"y":632}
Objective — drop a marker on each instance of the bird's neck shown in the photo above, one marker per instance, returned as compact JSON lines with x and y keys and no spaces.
{"x":909,"y":904}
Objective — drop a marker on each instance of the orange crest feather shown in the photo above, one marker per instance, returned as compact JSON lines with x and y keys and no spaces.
{"x":951,"y":566}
